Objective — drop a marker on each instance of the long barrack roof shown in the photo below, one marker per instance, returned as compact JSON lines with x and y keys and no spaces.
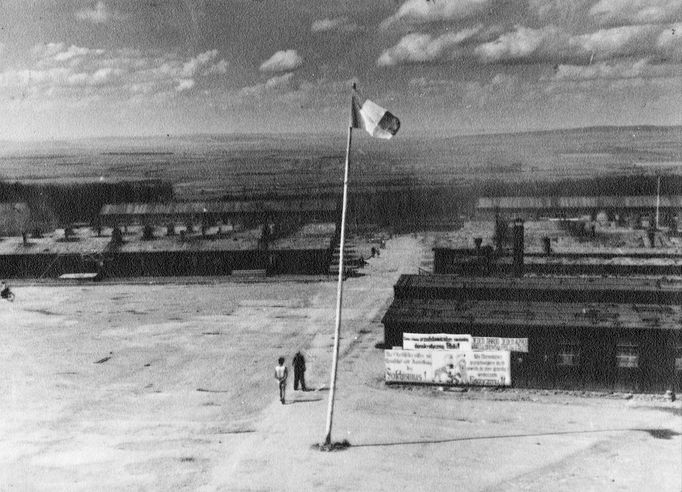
{"x":534,"y":315}
{"x":578,"y":202}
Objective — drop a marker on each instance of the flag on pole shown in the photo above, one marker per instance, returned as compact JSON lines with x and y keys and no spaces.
{"x":372,"y":118}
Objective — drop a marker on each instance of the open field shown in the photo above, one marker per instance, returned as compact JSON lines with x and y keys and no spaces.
{"x":169,"y":387}
{"x":206,"y":165}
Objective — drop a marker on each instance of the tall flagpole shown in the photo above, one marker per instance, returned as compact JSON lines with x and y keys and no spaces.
{"x":339,"y":290}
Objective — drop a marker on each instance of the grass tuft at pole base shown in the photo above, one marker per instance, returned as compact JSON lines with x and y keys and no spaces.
{"x":333,"y":446}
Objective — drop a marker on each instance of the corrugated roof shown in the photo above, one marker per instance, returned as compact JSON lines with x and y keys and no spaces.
{"x":83,"y":241}
{"x":198,"y":208}
{"x":553,"y":283}
{"x":581,"y":202}
{"x":534,"y":314}
{"x":587,"y":259}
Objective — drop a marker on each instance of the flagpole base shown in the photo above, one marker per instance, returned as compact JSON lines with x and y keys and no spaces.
{"x":329,"y":446}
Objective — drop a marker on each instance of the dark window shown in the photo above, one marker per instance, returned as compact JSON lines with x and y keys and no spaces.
{"x":568,"y":354}
{"x":627,"y":354}
{"x":678,"y":357}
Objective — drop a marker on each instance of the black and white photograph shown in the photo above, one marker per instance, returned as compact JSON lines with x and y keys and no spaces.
{"x":340,"y":245}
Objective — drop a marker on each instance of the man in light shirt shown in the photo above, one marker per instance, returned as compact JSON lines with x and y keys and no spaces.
{"x":281,"y":374}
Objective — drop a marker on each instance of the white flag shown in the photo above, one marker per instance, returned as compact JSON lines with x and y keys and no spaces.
{"x":374,"y":119}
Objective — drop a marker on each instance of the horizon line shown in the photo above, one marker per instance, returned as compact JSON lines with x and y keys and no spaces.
{"x":423,"y":134}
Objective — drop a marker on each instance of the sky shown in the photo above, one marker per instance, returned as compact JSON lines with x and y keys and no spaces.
{"x":76,"y":68}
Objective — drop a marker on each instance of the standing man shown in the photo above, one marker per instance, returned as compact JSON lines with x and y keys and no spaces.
{"x":281,"y":374}
{"x":299,"y":371}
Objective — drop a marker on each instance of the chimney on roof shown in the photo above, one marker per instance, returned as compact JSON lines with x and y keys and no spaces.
{"x":518,"y":247}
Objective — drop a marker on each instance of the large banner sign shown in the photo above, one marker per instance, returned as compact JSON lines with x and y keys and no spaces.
{"x":489,"y":368}
{"x":437,"y":341}
{"x":448,"y":367}
{"x":409,"y":366}
{"x":497,"y":343}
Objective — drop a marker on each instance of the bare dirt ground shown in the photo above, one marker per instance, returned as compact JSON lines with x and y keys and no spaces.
{"x":170,"y":387}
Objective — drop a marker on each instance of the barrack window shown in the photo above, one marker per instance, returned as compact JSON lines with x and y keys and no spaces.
{"x":568,"y":354}
{"x":627,"y":354}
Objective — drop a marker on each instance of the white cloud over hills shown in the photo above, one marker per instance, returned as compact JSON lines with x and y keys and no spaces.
{"x":423,"y":12}
{"x":419,"y":48}
{"x":282,"y":61}
{"x":548,"y":44}
{"x":58,"y":70}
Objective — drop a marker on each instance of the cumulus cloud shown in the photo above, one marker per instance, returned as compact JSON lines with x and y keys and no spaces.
{"x":185,"y":84}
{"x":420,"y":48}
{"x":636,"y":11}
{"x":278,"y":83}
{"x":60,"y":71}
{"x":421,"y":12}
{"x":338,"y":24}
{"x":548,"y":44}
{"x":602,"y":70}
{"x":616,"y":41}
{"x":522,"y":43}
{"x":282,"y":61}
{"x":98,"y":14}
{"x":554,"y":45}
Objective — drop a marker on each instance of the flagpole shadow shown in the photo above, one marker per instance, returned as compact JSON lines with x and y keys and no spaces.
{"x":307,"y":400}
{"x":656,"y":433}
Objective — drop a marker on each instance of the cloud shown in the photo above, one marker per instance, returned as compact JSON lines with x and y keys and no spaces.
{"x":421,"y":48}
{"x":185,"y":84}
{"x":554,"y":45}
{"x":618,"y":41}
{"x":669,"y":41}
{"x":282,"y":61}
{"x":278,"y":83}
{"x":548,"y":44}
{"x":75,"y":52}
{"x":636,"y":11}
{"x":217,"y":69}
{"x":521,"y":44}
{"x":422,"y":11}
{"x":601,"y":70}
{"x":99,"y":14}
{"x":338,"y":24}
{"x":58,"y":71}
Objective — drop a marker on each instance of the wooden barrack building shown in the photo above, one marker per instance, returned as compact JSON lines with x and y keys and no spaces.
{"x":583,"y":333}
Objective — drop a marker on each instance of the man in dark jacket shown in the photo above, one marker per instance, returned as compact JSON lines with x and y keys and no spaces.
{"x":299,"y":371}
